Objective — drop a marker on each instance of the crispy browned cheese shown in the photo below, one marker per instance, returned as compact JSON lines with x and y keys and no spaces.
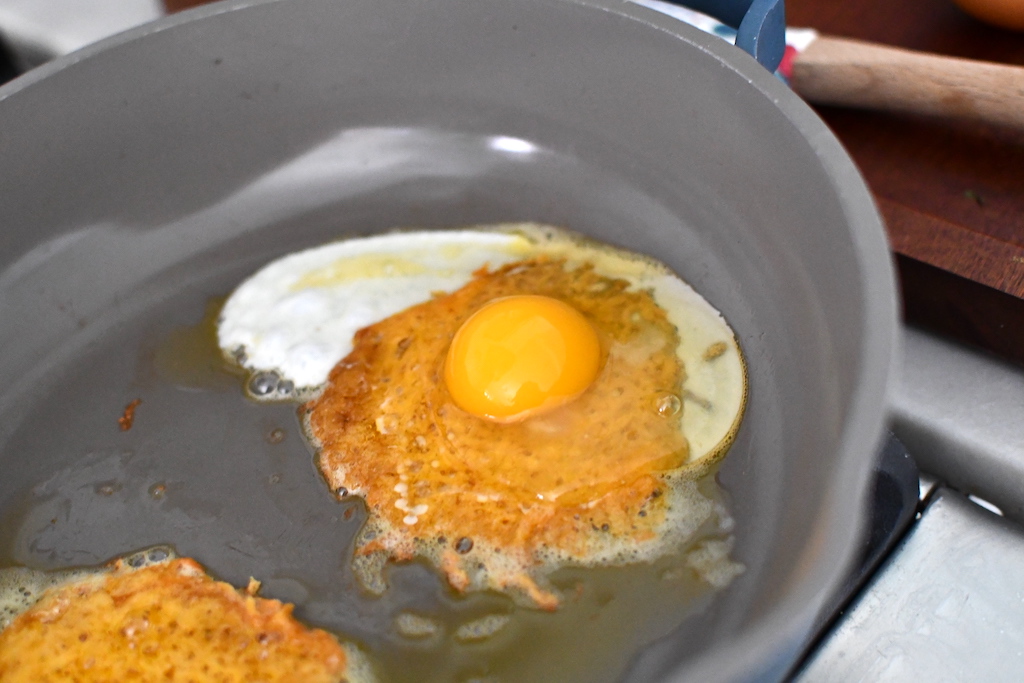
{"x":500,"y":500}
{"x":127,"y":418}
{"x":165,"y":622}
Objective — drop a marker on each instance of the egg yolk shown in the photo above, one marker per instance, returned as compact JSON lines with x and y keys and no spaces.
{"x":520,"y":355}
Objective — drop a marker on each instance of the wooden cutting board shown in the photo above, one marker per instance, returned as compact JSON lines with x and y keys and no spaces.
{"x":951,"y":194}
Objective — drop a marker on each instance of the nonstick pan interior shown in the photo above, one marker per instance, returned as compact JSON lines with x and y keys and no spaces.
{"x":144,"y":178}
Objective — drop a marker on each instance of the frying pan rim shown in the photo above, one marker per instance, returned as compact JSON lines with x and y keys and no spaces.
{"x":750,"y":651}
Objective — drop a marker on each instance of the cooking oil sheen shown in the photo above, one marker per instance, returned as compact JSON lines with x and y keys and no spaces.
{"x":230,"y":482}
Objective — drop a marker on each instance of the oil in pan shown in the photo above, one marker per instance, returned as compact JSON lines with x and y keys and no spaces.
{"x":233,"y":484}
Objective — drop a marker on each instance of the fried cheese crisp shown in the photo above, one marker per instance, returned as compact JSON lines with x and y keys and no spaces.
{"x":602,"y":480}
{"x":163,"y":622}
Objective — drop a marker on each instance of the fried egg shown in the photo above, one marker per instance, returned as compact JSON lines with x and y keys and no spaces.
{"x":152,"y":616}
{"x":555,"y":403}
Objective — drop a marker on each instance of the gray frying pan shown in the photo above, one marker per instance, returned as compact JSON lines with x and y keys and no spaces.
{"x":143,"y":178}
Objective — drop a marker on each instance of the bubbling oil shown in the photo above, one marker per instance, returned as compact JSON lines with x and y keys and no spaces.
{"x":606,"y":617}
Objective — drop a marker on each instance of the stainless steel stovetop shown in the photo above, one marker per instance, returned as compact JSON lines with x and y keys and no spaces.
{"x":947,"y":603}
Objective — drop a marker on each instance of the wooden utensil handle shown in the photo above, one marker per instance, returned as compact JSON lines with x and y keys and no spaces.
{"x":859,"y":74}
